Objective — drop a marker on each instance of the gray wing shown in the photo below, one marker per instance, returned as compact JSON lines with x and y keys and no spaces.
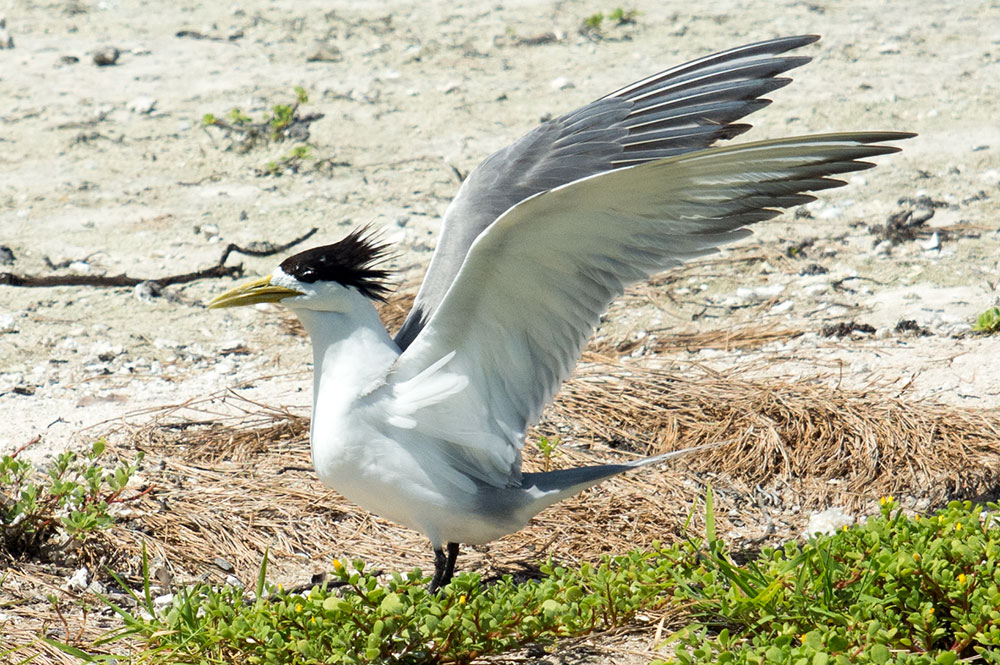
{"x":679,"y":110}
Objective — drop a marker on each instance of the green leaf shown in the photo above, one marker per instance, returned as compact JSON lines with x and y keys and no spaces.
{"x":879,"y":654}
{"x":709,"y":515}
{"x":391,"y":604}
{"x":988,"y":322}
{"x":261,"y":579}
{"x":334,"y":604}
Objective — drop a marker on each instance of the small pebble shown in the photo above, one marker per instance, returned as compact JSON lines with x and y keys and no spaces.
{"x":8,"y":323}
{"x":233,"y":346}
{"x":561,"y":83}
{"x":163,"y":576}
{"x":828,"y":521}
{"x":207,"y":230}
{"x":325,"y":52}
{"x":6,"y":41}
{"x":745,"y":294}
{"x":79,"y":580}
{"x":106,"y":56}
{"x":223,"y":564}
{"x":147,"y":291}
{"x":79,"y":267}
{"x":142,"y":105}
{"x":782,"y":307}
{"x":931,"y":244}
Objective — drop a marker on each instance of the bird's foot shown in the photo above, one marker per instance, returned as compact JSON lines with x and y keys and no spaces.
{"x":444,"y":567}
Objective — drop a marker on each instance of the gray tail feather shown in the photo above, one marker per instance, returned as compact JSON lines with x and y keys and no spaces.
{"x":567,"y":482}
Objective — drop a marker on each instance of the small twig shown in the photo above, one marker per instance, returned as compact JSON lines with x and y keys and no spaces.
{"x":217,"y":270}
{"x":283,"y":469}
{"x":67,"y":262}
{"x":317,"y":580}
{"x":58,"y":610}
{"x":266,"y":248}
{"x":38,"y":437}
{"x":838,"y":285}
{"x":214,"y":177}
{"x":115,"y":497}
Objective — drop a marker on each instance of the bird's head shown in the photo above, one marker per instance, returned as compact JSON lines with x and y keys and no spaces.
{"x":326,"y":278}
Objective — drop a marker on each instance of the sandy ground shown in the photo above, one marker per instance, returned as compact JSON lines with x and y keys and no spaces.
{"x":107,"y":170}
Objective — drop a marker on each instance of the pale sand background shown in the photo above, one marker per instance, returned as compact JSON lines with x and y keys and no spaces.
{"x":417,"y":91}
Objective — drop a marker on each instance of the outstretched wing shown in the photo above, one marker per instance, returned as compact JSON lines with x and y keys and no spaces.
{"x":680,"y":110}
{"x":535,"y":284}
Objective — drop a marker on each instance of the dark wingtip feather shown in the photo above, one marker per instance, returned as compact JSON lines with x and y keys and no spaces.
{"x":797,"y":41}
{"x":351,"y":262}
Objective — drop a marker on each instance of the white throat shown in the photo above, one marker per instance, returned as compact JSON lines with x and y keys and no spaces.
{"x":352,"y":351}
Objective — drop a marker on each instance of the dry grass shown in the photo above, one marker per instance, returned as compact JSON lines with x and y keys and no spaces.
{"x":829,"y":445}
{"x":729,"y":339}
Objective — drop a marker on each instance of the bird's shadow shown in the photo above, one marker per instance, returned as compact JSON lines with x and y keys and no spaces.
{"x":519,"y":571}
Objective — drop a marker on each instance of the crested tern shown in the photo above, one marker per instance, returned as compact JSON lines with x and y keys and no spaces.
{"x":426,"y":428}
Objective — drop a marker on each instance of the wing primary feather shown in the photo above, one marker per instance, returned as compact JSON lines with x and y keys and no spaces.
{"x":711,"y":78}
{"x":740,"y":90}
{"x":765,"y":48}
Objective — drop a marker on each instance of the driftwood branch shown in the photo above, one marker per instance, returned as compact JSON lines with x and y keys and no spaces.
{"x":220,"y":269}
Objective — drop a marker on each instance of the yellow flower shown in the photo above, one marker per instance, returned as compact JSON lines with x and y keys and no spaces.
{"x":961,"y":578}
{"x":337,"y":566}
{"x":930,"y":611}
{"x":298,"y":607}
{"x":461,"y":599}
{"x":312,"y":620}
{"x":916,"y":556}
{"x":958,"y":526}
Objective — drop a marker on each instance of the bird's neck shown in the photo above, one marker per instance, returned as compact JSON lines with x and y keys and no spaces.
{"x":352,"y":351}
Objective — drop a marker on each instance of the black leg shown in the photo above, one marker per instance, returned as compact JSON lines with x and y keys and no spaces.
{"x":444,"y":567}
{"x":439,"y":570}
{"x":449,"y":570}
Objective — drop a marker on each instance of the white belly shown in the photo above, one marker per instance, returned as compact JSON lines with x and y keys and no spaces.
{"x":408,"y":485}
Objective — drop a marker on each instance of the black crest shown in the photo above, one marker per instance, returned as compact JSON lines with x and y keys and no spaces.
{"x":349,"y":262}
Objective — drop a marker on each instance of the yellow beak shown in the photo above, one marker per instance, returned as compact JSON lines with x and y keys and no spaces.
{"x":251,"y":293}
